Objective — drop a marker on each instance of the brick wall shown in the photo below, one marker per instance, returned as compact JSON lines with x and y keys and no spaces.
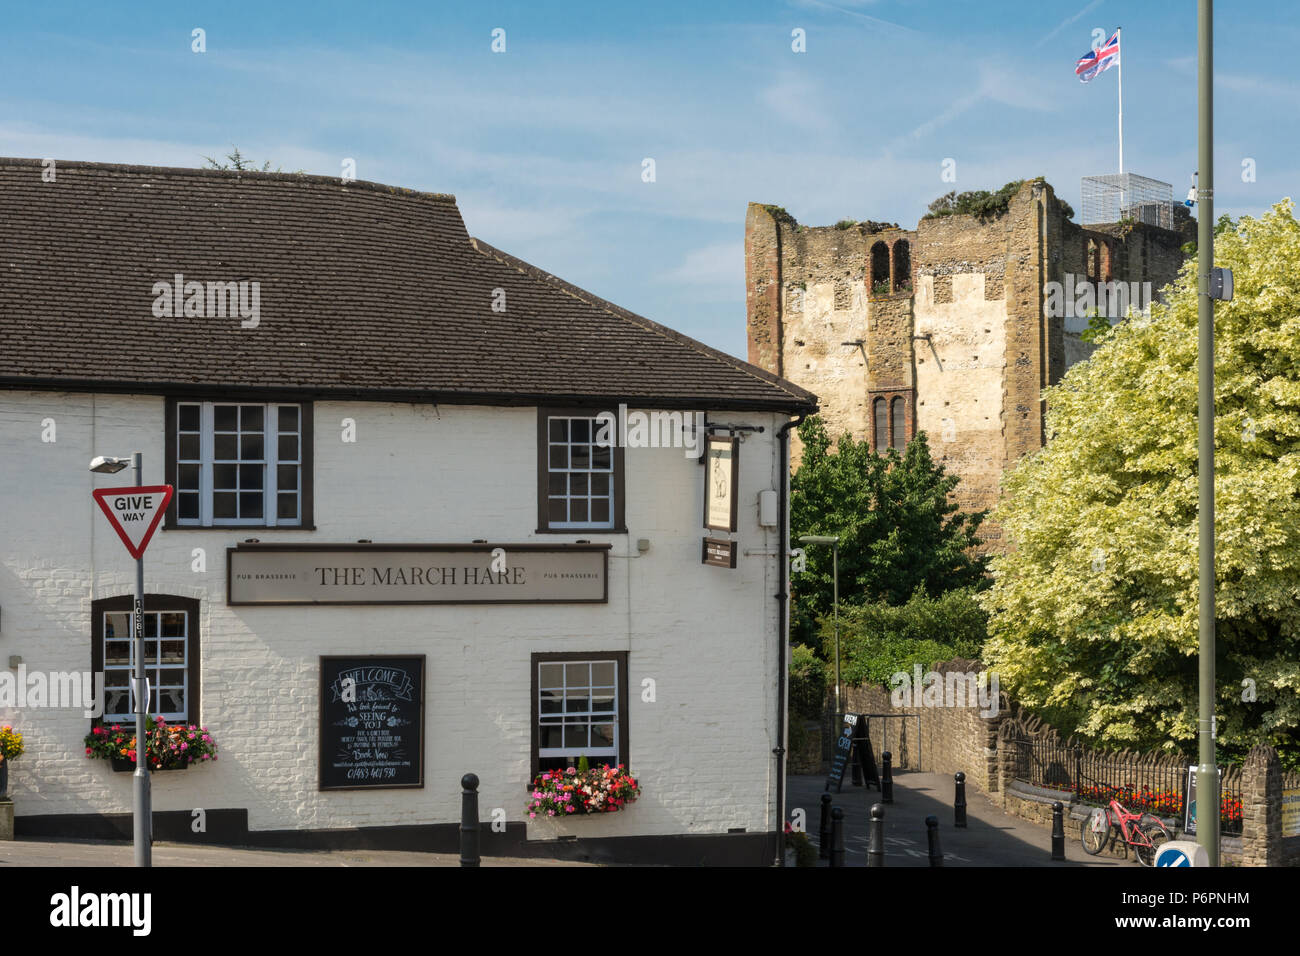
{"x":990,"y":751}
{"x":950,"y":739}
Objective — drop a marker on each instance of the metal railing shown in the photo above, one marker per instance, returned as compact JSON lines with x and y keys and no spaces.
{"x":1147,"y":784}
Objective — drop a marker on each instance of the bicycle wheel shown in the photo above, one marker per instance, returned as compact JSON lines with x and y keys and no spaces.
{"x":1154,"y":829}
{"x":1096,"y":828}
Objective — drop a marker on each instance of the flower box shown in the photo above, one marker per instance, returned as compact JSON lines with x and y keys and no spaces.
{"x":166,"y":748}
{"x":127,"y":765}
{"x":583,"y":790}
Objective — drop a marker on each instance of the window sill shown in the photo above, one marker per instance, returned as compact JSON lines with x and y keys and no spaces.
{"x":238,"y":527}
{"x":581,"y":531}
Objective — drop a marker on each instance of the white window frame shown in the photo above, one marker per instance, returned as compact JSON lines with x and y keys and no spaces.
{"x":594,"y":424}
{"x":270,"y":462}
{"x":609,"y":755}
{"x":152,"y":669}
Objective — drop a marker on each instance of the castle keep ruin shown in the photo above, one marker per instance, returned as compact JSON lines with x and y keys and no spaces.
{"x":945,"y":328}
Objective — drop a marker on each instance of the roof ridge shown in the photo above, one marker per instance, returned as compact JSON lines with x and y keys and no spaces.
{"x":313,"y":178}
{"x":590,"y":298}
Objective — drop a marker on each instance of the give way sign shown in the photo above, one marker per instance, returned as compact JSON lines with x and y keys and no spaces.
{"x":134,"y":513}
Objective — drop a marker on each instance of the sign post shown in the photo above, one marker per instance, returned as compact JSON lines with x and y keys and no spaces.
{"x":134,"y":514}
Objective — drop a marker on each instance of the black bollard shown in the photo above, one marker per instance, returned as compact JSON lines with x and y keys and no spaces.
{"x":886,"y":778}
{"x":1058,"y":830}
{"x":932,"y":834}
{"x":824,"y":829}
{"x":876,"y":854}
{"x":837,"y":837}
{"x":469,"y":820}
{"x":959,"y":805}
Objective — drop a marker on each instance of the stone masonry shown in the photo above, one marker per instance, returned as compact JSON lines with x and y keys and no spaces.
{"x":943,"y":328}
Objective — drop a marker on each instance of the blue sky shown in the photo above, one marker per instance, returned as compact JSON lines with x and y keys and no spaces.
{"x":543,"y":144}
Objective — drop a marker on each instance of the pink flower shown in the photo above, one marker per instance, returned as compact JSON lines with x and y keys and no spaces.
{"x":532,"y":814}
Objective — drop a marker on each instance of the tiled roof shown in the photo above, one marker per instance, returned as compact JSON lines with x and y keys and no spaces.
{"x":365,"y":291}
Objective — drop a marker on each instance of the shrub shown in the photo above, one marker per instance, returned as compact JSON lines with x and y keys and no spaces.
{"x":877,"y":640}
{"x":807,"y":683}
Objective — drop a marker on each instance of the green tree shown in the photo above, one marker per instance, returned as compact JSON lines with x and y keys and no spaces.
{"x":898,"y":529}
{"x":1093,"y":615}
{"x":879,"y":639}
{"x":236,"y":160}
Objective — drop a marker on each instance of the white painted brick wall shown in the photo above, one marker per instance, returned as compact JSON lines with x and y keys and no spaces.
{"x":415,"y":474}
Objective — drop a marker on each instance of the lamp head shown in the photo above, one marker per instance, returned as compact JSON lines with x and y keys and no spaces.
{"x":107,"y":464}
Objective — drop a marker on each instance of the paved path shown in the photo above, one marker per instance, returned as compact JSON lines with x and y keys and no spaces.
{"x":991,"y":838}
{"x":97,"y":853}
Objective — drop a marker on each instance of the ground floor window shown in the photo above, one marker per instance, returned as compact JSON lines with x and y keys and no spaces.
{"x":579,"y":709}
{"x":171,"y":656}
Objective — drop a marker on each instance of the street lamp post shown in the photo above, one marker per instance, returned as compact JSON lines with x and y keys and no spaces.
{"x":834,"y":542}
{"x":1207,"y":774}
{"x":143,"y":819}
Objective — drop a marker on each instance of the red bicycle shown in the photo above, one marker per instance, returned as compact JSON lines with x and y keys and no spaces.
{"x":1144,"y":832}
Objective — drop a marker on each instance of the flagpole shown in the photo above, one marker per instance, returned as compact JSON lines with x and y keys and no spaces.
{"x":1120,"y":67}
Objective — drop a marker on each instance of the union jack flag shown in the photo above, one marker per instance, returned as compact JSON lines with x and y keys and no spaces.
{"x":1098,"y":60}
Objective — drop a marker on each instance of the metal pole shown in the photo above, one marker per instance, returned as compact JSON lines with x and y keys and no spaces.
{"x":835,"y":564}
{"x":469,"y":826}
{"x":1207,"y":776}
{"x":932,"y":837}
{"x":143,"y":816}
{"x":837,"y":837}
{"x":1119,"y":69}
{"x":876,"y":847}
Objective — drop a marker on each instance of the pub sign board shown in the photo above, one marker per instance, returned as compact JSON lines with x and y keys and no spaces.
{"x":721,"y":474}
{"x":269,"y":574}
{"x":371,"y":722}
{"x":718,"y":552}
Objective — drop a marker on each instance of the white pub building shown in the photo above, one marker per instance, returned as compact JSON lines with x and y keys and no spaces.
{"x":524,"y":526}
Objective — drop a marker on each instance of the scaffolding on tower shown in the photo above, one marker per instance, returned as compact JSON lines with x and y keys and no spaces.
{"x":1121,"y":196}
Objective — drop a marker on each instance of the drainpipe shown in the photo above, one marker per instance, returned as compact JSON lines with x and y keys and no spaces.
{"x":782,"y":626}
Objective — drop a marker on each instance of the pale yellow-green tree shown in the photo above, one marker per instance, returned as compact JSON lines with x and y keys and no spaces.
{"x":1093,"y":616}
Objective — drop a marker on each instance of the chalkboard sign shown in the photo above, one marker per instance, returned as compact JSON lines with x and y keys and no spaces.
{"x":843,"y":749}
{"x":371,"y":722}
{"x":866,"y":757}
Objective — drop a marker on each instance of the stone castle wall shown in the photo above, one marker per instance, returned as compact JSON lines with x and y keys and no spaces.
{"x":955,"y":323}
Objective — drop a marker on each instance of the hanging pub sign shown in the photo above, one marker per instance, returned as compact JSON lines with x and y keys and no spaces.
{"x":371,"y":722}
{"x":718,"y":552}
{"x":722,"y":473}
{"x":417,"y":574}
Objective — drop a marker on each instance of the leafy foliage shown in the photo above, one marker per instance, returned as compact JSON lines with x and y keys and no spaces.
{"x":780,"y":215}
{"x":979,"y":203}
{"x":877,"y":639}
{"x":898,"y":529}
{"x":807,"y":683}
{"x":236,"y":161}
{"x":1094,"y":614}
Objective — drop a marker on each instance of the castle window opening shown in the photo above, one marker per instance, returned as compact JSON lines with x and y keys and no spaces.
{"x":880,"y":439}
{"x":898,"y":431}
{"x":880,"y":269}
{"x":902,"y":266}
